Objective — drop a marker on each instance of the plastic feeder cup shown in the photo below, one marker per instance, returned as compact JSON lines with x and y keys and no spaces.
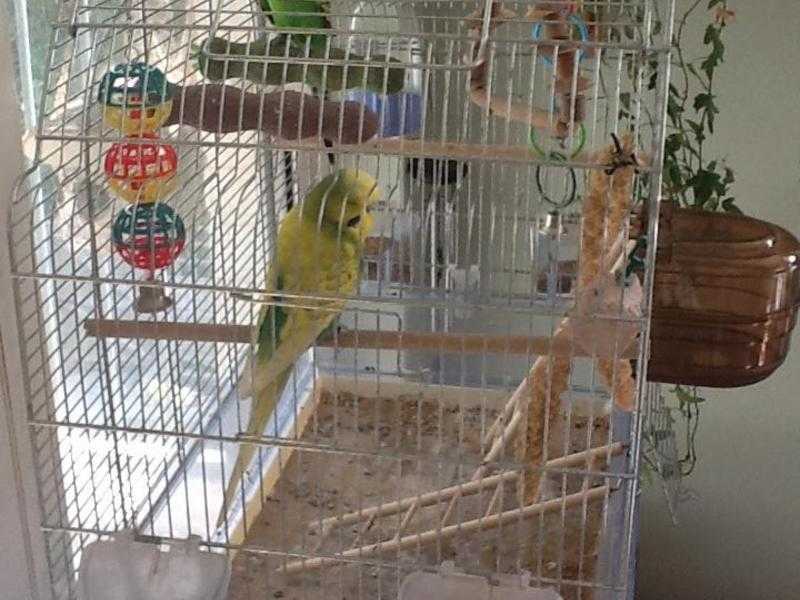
{"x":400,"y":114}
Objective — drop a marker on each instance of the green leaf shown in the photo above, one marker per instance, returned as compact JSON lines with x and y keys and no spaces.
{"x":728,"y":205}
{"x":673,"y":177}
{"x":704,"y":184}
{"x":693,"y":70}
{"x":698,"y":130}
{"x":705,"y":102}
{"x":673,"y":143}
{"x":729,"y":176}
{"x":630,"y":32}
{"x":712,"y":37}
{"x":686,"y":397}
{"x":652,"y":81}
{"x":713,"y":3}
{"x":710,"y":33}
{"x":674,"y":110}
{"x":658,"y":27}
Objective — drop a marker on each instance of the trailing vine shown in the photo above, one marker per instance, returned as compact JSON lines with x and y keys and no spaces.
{"x":692,"y":177}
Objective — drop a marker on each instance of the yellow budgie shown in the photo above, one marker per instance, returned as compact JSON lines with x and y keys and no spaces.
{"x":319,"y":249}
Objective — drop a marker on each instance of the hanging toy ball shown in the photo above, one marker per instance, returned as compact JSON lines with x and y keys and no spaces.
{"x":136,"y":98}
{"x":140,"y":171}
{"x":149,"y":237}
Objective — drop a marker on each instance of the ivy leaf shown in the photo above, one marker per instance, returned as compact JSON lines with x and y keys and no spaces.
{"x":729,"y":176}
{"x":673,"y":143}
{"x":705,"y":102}
{"x":630,"y":32}
{"x":712,"y":38}
{"x":673,"y":178}
{"x":698,"y":130}
{"x":674,"y":110}
{"x":686,"y":397}
{"x":704,"y":184}
{"x":728,"y":205}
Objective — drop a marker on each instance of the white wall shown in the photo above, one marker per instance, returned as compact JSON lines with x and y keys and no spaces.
{"x":740,"y":539}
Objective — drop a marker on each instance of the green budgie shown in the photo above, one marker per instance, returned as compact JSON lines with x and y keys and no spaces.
{"x":384,"y":77}
{"x":319,"y":248}
{"x":302,"y":14}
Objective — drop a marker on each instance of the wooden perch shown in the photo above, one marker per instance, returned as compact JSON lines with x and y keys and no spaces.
{"x":513,"y":516}
{"x":286,"y":114}
{"x":386,"y":340}
{"x":465,"y":489}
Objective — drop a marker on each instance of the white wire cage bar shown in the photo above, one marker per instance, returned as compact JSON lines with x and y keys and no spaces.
{"x":391,"y":449}
{"x":517,"y":89}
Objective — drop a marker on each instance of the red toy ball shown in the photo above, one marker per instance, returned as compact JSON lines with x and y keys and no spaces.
{"x":149,"y":236}
{"x":141,"y":171}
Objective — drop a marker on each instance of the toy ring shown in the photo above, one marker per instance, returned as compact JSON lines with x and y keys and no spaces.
{"x":580,"y":25}
{"x":572,"y":188}
{"x":581,"y":143}
{"x":569,"y":196}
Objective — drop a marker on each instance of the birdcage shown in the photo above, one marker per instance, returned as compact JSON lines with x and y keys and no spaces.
{"x":478,"y":399}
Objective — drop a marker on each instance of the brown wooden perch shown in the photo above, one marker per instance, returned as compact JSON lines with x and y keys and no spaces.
{"x":387,"y":340}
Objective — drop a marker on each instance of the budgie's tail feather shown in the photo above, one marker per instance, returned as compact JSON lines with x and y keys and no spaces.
{"x":244,"y":387}
{"x":263,"y":406}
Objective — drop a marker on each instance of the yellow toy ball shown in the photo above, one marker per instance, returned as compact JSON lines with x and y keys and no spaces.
{"x":141,"y":169}
{"x":135,"y":98}
{"x":136,"y":121}
{"x":145,"y":192}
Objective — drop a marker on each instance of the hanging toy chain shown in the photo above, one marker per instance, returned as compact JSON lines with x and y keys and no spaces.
{"x":148,"y":234}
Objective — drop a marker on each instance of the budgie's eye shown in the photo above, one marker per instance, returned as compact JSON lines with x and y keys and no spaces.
{"x":354,"y":221}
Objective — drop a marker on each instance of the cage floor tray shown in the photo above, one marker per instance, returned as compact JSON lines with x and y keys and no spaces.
{"x":387,"y":448}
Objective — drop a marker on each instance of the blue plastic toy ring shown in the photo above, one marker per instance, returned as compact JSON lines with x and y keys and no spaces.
{"x":577,"y":21}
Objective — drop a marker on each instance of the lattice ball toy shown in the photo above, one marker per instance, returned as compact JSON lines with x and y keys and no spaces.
{"x":136,"y":98}
{"x":141,"y":171}
{"x":149,"y":236}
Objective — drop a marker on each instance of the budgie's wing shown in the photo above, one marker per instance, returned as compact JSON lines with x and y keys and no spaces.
{"x":282,"y":334}
{"x":269,"y":325}
{"x":303,"y":14}
{"x":297,"y":13}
